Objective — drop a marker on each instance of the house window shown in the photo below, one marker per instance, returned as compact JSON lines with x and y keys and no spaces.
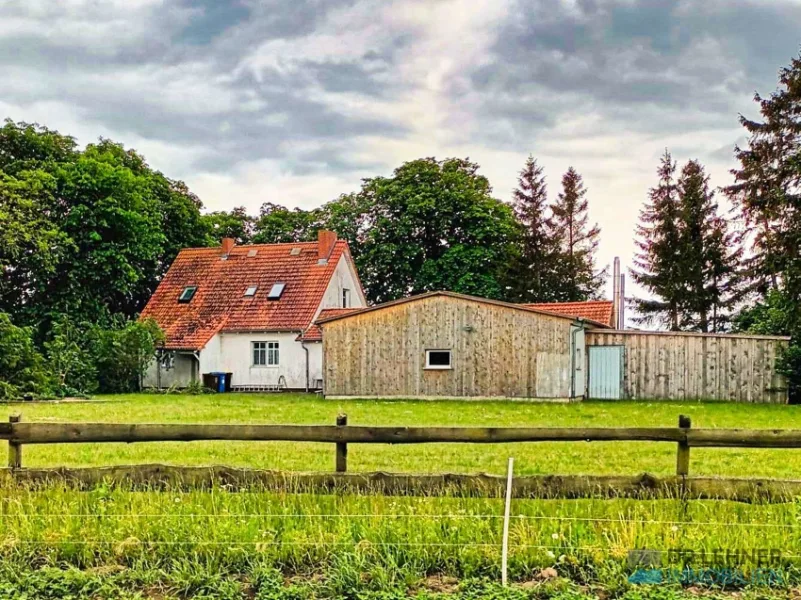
{"x":187,"y":295}
{"x":251,"y":291}
{"x":276,"y":291}
{"x":265,"y":354}
{"x":345,"y":298}
{"x":438,"y":359}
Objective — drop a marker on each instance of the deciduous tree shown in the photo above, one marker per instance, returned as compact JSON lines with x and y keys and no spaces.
{"x":433,"y":224}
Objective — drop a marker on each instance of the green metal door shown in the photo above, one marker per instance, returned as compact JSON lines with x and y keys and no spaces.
{"x":606,"y":372}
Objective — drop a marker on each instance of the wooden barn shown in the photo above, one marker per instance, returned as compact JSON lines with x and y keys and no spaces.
{"x":671,"y":365}
{"x":447,"y":345}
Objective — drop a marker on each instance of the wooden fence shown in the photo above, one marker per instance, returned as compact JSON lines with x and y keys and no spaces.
{"x":19,"y":434}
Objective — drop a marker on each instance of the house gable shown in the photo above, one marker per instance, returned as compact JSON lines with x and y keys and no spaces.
{"x":225,"y":299}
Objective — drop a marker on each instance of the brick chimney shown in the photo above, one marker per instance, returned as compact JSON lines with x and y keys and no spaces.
{"x":325,"y":244}
{"x":227,"y":245}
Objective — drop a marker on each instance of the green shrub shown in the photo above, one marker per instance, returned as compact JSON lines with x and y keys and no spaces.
{"x":22,"y":367}
{"x":87,"y":358}
{"x":123,"y":353}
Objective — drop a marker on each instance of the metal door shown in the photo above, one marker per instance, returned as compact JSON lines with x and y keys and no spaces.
{"x":606,"y":372}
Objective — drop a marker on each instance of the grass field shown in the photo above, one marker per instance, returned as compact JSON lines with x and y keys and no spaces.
{"x":541,"y":458}
{"x":114,"y":543}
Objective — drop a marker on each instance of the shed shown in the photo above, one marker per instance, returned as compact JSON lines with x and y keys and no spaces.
{"x":672,"y":365}
{"x":448,"y":345}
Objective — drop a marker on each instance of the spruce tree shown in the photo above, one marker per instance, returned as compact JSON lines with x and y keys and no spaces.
{"x":532,"y":274}
{"x":767,"y":192}
{"x":767,"y":188}
{"x":657,"y":266}
{"x":709,"y":253}
{"x":578,"y":241}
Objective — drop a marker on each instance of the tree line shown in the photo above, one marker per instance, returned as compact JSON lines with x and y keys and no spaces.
{"x":434,"y":224}
{"x":707,"y":271}
{"x":86,"y":235}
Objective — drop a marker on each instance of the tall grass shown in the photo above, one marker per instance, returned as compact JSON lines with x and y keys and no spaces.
{"x":371,"y":542}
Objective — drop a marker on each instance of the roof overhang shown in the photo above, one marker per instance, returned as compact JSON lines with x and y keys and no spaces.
{"x":466,"y":297}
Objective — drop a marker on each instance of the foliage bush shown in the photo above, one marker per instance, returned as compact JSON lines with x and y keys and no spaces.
{"x":122,"y":354}
{"x":22,"y":367}
{"x":77,"y":359}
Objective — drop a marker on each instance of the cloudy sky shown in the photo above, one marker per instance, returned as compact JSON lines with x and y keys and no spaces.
{"x":294,"y":101}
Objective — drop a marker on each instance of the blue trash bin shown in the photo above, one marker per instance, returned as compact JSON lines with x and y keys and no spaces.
{"x":220,"y":381}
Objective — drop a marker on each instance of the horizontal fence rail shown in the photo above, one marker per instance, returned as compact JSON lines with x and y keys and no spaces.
{"x":69,"y":433}
{"x":20,"y":433}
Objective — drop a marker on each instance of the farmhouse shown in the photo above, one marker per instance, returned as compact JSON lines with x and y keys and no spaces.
{"x":250,"y":311}
{"x":441,"y":344}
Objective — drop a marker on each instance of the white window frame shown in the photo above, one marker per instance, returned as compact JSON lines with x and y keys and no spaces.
{"x":346,"y":298}
{"x":276,"y":291}
{"x":251,"y":291}
{"x":270,"y":354}
{"x":431,"y":367}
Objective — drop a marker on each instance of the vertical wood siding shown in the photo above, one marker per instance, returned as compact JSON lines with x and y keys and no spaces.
{"x":497,"y":351}
{"x":665,"y":366}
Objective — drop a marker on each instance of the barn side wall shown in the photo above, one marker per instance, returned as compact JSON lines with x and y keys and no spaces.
{"x":685,"y":366}
{"x":497,"y":352}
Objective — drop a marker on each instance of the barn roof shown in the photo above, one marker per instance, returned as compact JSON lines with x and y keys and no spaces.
{"x":334,"y":317}
{"x":599,"y":311}
{"x":220,"y":302}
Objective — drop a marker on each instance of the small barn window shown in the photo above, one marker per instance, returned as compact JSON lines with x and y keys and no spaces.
{"x":345,"y":298}
{"x":438,"y":359}
{"x":251,"y":291}
{"x":265,"y":354}
{"x":187,"y":294}
{"x":276,"y":291}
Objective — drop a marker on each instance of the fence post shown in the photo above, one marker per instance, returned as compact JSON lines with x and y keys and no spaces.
{"x":14,"y":448}
{"x":342,"y":448}
{"x":683,"y":452}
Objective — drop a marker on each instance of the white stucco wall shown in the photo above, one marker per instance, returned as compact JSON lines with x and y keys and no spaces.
{"x":236,"y":357}
{"x":344,"y":277}
{"x":180,"y":375}
{"x":210,"y":361}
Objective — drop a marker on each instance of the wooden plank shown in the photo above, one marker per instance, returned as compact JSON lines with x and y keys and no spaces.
{"x":481,"y":485}
{"x":744,"y":438}
{"x":66,"y":433}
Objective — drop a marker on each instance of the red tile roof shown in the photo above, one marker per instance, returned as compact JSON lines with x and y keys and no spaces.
{"x":599,"y":311}
{"x":314,"y":333}
{"x":220,"y":303}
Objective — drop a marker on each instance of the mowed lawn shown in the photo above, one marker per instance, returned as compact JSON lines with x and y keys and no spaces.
{"x":532,"y":458}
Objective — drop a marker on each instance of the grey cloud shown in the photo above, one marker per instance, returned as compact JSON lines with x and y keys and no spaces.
{"x":649,"y":65}
{"x":205,"y":42}
{"x":211,"y":18}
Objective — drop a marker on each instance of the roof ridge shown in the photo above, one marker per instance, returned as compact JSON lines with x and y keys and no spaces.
{"x":277,"y":244}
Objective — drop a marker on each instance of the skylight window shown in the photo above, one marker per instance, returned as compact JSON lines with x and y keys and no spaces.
{"x":251,"y":291}
{"x":187,"y":295}
{"x":276,"y":291}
